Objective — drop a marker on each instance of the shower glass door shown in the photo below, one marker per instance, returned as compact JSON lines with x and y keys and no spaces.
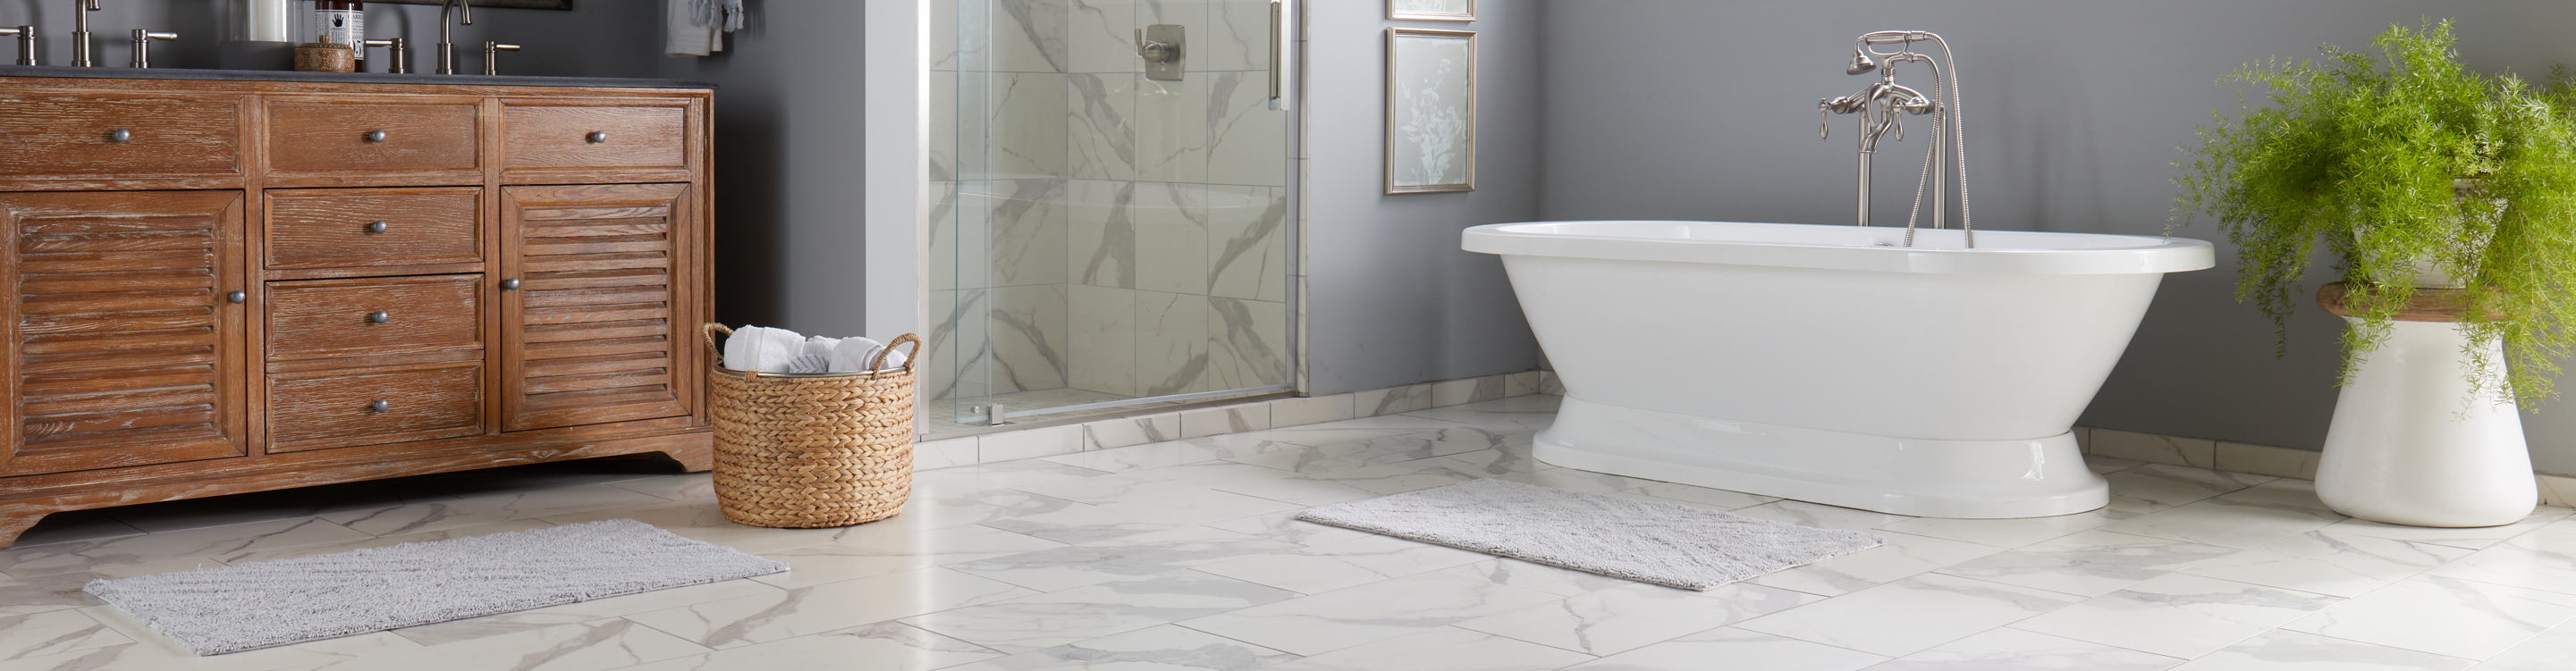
{"x":1114,"y":225}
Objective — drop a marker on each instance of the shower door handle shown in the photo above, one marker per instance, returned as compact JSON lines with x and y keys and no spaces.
{"x":1280,"y":44}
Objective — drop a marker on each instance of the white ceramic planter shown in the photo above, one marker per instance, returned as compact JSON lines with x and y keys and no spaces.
{"x":2410,"y":445}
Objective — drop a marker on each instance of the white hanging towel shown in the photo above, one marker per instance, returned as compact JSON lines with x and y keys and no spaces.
{"x":764,"y":349}
{"x":697,"y":27}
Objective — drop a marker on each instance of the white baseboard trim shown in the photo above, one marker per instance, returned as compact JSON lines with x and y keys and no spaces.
{"x":2220,"y":455}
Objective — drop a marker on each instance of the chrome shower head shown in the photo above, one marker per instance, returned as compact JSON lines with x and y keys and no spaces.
{"x":1860,"y":64}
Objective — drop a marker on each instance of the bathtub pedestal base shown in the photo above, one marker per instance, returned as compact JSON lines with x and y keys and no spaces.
{"x":2036,"y":477}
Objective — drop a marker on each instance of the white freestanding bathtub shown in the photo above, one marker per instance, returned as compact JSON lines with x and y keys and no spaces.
{"x":1829,"y":363}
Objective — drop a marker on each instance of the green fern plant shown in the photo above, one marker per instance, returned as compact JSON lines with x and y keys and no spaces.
{"x":2391,"y":159}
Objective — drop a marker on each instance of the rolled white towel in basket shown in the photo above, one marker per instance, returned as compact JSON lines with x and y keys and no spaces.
{"x":763,"y":349}
{"x":853,"y":354}
{"x":815,"y":357}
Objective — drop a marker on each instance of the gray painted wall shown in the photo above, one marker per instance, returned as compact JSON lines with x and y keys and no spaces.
{"x":1391,"y":299}
{"x":1689,"y":109}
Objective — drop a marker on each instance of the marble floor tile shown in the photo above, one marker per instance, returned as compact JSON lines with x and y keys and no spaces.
{"x":1143,"y":485}
{"x":1821,"y":516}
{"x":1351,"y":454}
{"x":1740,"y":648}
{"x":1911,"y":615}
{"x":1316,"y":569}
{"x":2009,"y":533}
{"x":997,"y":475}
{"x":2282,"y":649}
{"x":2103,"y":463}
{"x":153,"y":652}
{"x":59,"y":591}
{"x":380,"y":541}
{"x":216,"y":511}
{"x":2154,"y":487}
{"x":1106,"y":609}
{"x":1535,"y":576}
{"x":2553,"y":650}
{"x":2182,"y":616}
{"x":1628,"y":617}
{"x":1164,"y":648}
{"x":1904,"y":556}
{"x":2246,"y":518}
{"x":884,"y":646}
{"x":1124,"y":557}
{"x":761,"y":618}
{"x":588,"y":646}
{"x":52,"y":633}
{"x":1385,"y":425}
{"x":489,"y":508}
{"x":2016,"y":650}
{"x":98,"y":556}
{"x":2089,"y":563}
{"x":1167,"y":453}
{"x":1313,"y":625}
{"x":471,"y":628}
{"x":1315,"y":489}
{"x":1440,"y":649}
{"x":681,"y":487}
{"x":2543,"y":559}
{"x":2472,"y":538}
{"x":850,"y":559}
{"x":1717,"y":498}
{"x":926,"y":511}
{"x":1285,"y":527}
{"x":2332,"y":560}
{"x":1079,"y":523}
{"x":1197,"y":506}
{"x":73,"y":526}
{"x":2443,"y":616}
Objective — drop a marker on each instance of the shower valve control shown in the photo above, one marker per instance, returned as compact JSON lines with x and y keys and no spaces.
{"x":1161,"y":47}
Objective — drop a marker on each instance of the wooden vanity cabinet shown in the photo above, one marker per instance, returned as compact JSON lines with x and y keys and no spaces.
{"x":227,"y":286}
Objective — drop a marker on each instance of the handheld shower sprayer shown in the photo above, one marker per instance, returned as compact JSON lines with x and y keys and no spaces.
{"x":1884,"y":99}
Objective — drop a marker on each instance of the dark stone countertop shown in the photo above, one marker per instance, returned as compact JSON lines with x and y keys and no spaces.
{"x":350,"y":77}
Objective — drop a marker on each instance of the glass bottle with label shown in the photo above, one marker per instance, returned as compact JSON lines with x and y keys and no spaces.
{"x":344,"y":22}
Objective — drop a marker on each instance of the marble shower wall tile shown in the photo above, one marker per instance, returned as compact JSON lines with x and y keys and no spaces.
{"x":1025,"y":35}
{"x":1102,"y":337}
{"x":1171,"y":237}
{"x":1247,"y":240}
{"x":1237,"y":37}
{"x":1025,"y":224}
{"x":1245,"y":138}
{"x":1101,"y":240}
{"x":1100,"y":134}
{"x":955,"y":234}
{"x":944,"y":109}
{"x":959,"y":345}
{"x":1247,"y":344}
{"x":1101,"y":36}
{"x":1172,"y":354}
{"x":1171,"y":127}
{"x":1023,"y":117}
{"x":1029,"y":339}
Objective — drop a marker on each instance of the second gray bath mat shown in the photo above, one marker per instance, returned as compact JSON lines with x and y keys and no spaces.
{"x":1659,"y":543}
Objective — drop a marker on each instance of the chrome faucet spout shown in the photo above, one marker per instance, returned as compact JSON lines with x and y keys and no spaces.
{"x":464,"y":15}
{"x":1879,"y":106}
{"x":80,"y":33}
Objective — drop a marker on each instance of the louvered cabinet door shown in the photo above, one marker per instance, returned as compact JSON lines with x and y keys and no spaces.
{"x":597,"y":328}
{"x":125,"y":348}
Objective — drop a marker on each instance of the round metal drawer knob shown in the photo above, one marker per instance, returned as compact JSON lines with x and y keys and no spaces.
{"x":237,"y":297}
{"x":597,"y":136}
{"x":378,"y":317}
{"x":375,"y":227}
{"x":120,"y":135}
{"x":379,"y":405}
{"x":375,"y":136}
{"x":511,"y":284}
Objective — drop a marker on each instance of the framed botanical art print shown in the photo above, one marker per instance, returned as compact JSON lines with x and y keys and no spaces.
{"x":1431,"y":10}
{"x":1430,"y":110}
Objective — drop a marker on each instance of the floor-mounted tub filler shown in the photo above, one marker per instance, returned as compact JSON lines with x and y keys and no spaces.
{"x":1933,"y":373}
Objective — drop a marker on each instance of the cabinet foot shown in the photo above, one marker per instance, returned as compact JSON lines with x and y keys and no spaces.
{"x":694,"y":460}
{"x":13,"y":523}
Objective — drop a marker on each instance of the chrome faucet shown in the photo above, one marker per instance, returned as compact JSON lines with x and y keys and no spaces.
{"x":446,"y":41}
{"x":1878,"y":105}
{"x":80,"y":32}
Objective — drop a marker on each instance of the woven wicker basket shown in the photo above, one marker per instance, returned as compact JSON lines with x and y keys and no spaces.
{"x":812,"y":449}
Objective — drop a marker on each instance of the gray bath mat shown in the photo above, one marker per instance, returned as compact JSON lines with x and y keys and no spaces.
{"x":1659,"y":543}
{"x":271,"y":603}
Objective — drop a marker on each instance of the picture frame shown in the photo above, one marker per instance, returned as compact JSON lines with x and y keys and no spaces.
{"x":1430,"y":110}
{"x":1431,"y":10}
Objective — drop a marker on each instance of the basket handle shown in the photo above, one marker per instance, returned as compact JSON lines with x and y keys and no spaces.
{"x":709,"y":334}
{"x":908,"y":357}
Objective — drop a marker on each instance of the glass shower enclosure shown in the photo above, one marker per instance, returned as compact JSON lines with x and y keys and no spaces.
{"x":1114,"y":213}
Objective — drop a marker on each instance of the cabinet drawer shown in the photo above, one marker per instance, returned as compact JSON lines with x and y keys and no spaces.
{"x":417,"y":139}
{"x":336,"y":228}
{"x":596,"y":137}
{"x":75,"y":134}
{"x":326,"y":409}
{"x":311,"y":319}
